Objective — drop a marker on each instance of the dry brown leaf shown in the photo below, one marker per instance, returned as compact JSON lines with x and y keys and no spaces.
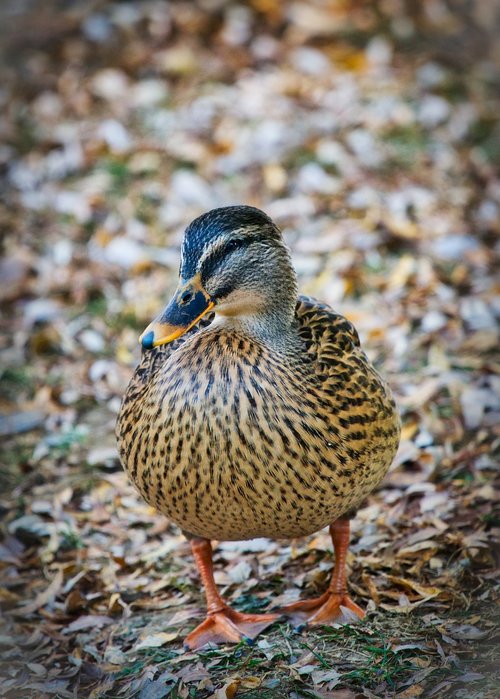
{"x":44,"y":597}
{"x":87,"y":622}
{"x":228,"y":691}
{"x":415,"y":550}
{"x":155,"y":640}
{"x":415,"y":690}
{"x":423,"y":591}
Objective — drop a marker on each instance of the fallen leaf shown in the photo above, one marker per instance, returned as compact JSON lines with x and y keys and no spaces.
{"x":465,"y":631}
{"x":323,"y":676}
{"x":155,"y":640}
{"x":227,"y":691}
{"x":45,"y":597}
{"x":422,"y":590}
{"x":240,"y":572}
{"x":87,"y":622}
{"x":415,"y":690}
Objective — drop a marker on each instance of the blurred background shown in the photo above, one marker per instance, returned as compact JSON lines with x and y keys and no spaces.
{"x":369,"y":132}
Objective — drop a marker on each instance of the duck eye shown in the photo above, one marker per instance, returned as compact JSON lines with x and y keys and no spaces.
{"x":232,"y":245}
{"x":186,"y":297}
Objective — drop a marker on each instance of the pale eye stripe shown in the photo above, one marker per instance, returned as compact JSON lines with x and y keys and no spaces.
{"x":210,"y":262}
{"x":213,"y":251}
{"x":210,"y":251}
{"x":219,"y":243}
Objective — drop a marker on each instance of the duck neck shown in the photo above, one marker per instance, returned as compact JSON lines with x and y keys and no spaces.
{"x":266,"y":314}
{"x":268,"y":329}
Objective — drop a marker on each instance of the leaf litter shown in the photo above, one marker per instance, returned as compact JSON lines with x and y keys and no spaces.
{"x":374,"y":144}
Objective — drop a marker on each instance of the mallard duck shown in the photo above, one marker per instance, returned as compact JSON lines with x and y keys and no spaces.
{"x":253,"y":412}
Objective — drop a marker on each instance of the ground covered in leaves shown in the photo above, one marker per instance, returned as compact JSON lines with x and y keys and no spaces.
{"x":370,"y":133}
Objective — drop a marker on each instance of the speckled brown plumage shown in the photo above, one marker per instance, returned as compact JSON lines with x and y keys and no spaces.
{"x":263,"y":418}
{"x":232,"y":440}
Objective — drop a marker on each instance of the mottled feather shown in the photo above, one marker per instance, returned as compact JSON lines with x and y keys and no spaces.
{"x":234,"y":439}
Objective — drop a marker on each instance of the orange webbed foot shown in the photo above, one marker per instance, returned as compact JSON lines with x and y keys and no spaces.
{"x":334,"y":606}
{"x":228,"y":626}
{"x":330,"y":608}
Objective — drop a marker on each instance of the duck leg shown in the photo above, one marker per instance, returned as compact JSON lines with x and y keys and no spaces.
{"x":223,"y":624}
{"x":327,"y":609}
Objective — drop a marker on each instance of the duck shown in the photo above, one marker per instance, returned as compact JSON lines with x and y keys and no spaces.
{"x":254,"y":412}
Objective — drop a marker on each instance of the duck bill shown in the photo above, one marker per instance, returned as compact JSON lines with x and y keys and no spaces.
{"x":189,"y":303}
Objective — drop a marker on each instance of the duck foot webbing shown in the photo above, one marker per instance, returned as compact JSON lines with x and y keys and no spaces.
{"x":228,"y":626}
{"x":223,"y":624}
{"x":335,"y":605}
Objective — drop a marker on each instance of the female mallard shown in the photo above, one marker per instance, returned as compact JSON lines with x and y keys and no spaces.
{"x":263,"y":419}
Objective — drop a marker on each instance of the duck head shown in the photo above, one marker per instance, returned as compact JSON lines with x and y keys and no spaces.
{"x":234,"y":262}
